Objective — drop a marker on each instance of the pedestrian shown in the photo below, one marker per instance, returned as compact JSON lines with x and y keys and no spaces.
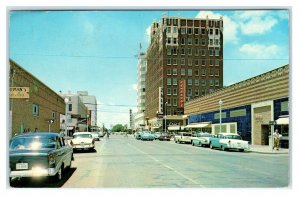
{"x":35,"y":130}
{"x":29,"y":130}
{"x":276,"y":140}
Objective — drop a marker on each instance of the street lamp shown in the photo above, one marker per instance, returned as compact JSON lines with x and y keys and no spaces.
{"x":66,"y":128}
{"x":166,"y":116}
{"x":87,"y":126}
{"x":220,"y":104}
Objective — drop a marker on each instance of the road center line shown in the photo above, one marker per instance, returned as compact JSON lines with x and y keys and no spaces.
{"x":166,"y":166}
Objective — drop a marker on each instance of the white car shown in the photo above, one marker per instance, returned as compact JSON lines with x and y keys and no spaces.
{"x":82,"y":140}
{"x":227,"y":141}
{"x":95,"y":136}
{"x":201,"y":139}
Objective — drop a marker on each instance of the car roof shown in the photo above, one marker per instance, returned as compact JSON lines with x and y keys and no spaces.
{"x":39,"y":134}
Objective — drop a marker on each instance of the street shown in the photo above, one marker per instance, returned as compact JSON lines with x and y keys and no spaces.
{"x":121,"y":162}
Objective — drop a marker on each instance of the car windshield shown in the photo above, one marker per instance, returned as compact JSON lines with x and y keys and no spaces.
{"x":32,"y":143}
{"x":237,"y":137}
{"x":82,"y":136}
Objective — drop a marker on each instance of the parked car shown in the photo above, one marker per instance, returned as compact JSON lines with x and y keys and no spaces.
{"x":201,"y":139}
{"x":165,"y":136}
{"x":184,"y":137}
{"x":227,"y":141}
{"x":137,"y":135}
{"x":82,"y":140}
{"x":101,"y":134}
{"x":146,"y":135}
{"x":156,"y":135}
{"x":95,"y":135}
{"x":39,"y":154}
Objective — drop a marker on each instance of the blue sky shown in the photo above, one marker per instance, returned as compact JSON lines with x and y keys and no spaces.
{"x":96,"y":50}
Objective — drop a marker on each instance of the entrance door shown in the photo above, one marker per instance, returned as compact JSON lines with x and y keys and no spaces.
{"x":264,"y":134}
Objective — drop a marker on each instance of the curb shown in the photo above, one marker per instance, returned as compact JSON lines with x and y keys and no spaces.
{"x":271,"y":153}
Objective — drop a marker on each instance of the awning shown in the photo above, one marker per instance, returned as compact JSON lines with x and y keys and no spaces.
{"x":283,"y":120}
{"x":173,"y":128}
{"x":199,"y":125}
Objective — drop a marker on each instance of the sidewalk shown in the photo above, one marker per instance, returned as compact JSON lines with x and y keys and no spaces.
{"x":267,"y":150}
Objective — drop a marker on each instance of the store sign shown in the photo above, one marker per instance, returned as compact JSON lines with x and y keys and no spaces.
{"x":19,"y":92}
{"x":181,"y":93}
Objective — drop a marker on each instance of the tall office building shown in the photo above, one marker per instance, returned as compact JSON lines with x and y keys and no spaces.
{"x":184,"y":61}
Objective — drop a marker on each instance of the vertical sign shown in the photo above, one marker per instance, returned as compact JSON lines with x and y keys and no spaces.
{"x":181,"y":93}
{"x":160,"y":102}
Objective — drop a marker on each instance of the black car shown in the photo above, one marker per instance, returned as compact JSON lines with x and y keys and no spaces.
{"x":39,"y":154}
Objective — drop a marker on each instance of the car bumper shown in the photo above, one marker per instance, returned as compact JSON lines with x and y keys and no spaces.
{"x":86,"y":146}
{"x":38,"y":172}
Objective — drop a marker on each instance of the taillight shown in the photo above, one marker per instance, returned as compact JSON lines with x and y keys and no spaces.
{"x":51,"y":158}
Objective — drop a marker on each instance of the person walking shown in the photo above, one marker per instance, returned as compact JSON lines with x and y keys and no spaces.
{"x":276,"y":140}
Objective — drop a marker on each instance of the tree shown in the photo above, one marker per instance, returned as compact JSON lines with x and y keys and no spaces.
{"x":117,"y":128}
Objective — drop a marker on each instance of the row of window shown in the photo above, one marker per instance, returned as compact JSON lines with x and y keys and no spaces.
{"x":173,"y":61}
{"x":191,"y":30}
{"x":190,"y":41}
{"x":212,"y":82}
{"x":189,"y":51}
{"x":212,"y":72}
{"x":36,"y":111}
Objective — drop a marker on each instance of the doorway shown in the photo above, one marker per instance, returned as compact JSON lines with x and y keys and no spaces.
{"x":265,"y":134}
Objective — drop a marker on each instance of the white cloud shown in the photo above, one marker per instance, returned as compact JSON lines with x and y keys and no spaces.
{"x":230,"y":26}
{"x":259,"y":50}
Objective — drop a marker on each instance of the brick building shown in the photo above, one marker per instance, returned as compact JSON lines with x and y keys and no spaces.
{"x":36,"y":110}
{"x":184,"y":61}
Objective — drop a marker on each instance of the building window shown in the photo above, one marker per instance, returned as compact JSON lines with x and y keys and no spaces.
{"x":174,"y":101}
{"x":175,"y":91}
{"x":216,"y":41}
{"x":168,"y":91}
{"x":196,"y":41}
{"x":211,"y":62}
{"x":196,"y":72}
{"x":217,"y":83}
{"x":169,"y":40}
{"x":203,"y":32}
{"x":217,"y":51}
{"x":174,"y":61}
{"x":53,"y":115}
{"x":183,"y":30}
{"x":182,"y":62}
{"x":211,"y":41}
{"x":189,"y":51}
{"x":183,"y":51}
{"x":196,"y":92}
{"x":196,"y":30}
{"x":211,"y":82}
{"x":203,"y":82}
{"x":190,"y":72}
{"x":196,"y":62}
{"x":174,"y":71}
{"x":169,"y":81}
{"x":189,"y":62}
{"x":168,"y":29}
{"x":203,"y":42}
{"x":70,"y":107}
{"x":169,"y":102}
{"x":217,"y":31}
{"x":196,"y":82}
{"x":211,"y":31}
{"x":203,"y":62}
{"x":217,"y":62}
{"x":189,"y":41}
{"x":174,"y":81}
{"x":203,"y":52}
{"x":174,"y":29}
{"x":174,"y":51}
{"x":189,"y":93}
{"x":217,"y":72}
{"x":190,"y":30}
{"x":182,"y":41}
{"x":182,"y":72}
{"x":169,"y":71}
{"x":168,"y":61}
{"x":211,"y":51}
{"x":203,"y":72}
{"x":203,"y":92}
{"x":169,"y":51}
{"x":190,"y":81}
{"x":175,"y":40}
{"x":211,"y":72}
{"x":196,"y":52}
{"x":35,"y":109}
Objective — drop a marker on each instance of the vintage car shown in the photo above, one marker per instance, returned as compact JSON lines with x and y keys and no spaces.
{"x":82,"y":140}
{"x":39,"y":154}
{"x":137,"y":135}
{"x":146,"y":135}
{"x":183,"y":137}
{"x":165,"y":136}
{"x":201,"y":139}
{"x":227,"y":141}
{"x":95,"y":135}
{"x":156,"y":135}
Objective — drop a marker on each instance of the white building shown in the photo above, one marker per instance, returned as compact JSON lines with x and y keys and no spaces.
{"x":91,"y":103}
{"x":139,"y":117}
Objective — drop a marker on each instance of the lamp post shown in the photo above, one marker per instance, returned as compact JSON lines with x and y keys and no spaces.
{"x":166,"y":116}
{"x":66,"y":115}
{"x":220,"y":105}
{"x":87,"y":126}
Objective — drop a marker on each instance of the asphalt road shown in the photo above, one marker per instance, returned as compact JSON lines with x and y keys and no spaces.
{"x":121,"y":162}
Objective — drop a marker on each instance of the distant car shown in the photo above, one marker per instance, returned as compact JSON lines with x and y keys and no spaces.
{"x":137,"y":135}
{"x":184,"y":137}
{"x":101,"y":134}
{"x":227,"y":141}
{"x":165,"y":136}
{"x":39,"y":154}
{"x":82,"y":140}
{"x":147,"y":136}
{"x":201,"y":139}
{"x":95,"y":135}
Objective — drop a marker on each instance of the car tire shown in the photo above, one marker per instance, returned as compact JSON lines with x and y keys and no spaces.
{"x":223,"y":148}
{"x":58,"y":177}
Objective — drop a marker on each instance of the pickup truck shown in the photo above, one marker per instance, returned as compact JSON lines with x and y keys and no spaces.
{"x":183,"y":138}
{"x":39,"y":154}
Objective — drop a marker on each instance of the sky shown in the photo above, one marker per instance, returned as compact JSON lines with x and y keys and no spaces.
{"x":96,"y":51}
